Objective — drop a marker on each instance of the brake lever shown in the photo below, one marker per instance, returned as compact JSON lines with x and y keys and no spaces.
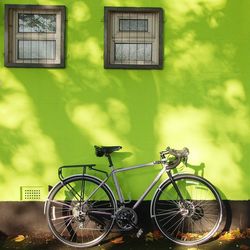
{"x":185,"y":159}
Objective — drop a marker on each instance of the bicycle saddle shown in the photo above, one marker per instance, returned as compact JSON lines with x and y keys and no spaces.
{"x":105,"y":150}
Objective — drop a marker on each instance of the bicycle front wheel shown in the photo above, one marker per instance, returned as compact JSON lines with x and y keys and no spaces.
{"x":80,"y":212}
{"x":193,"y":219}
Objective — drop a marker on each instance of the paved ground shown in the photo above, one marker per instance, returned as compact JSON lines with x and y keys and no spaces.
{"x":230,"y":241}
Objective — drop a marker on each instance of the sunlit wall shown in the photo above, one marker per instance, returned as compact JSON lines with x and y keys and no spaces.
{"x":53,"y":117}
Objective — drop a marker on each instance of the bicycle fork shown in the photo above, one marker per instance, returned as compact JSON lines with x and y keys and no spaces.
{"x":183,"y":202}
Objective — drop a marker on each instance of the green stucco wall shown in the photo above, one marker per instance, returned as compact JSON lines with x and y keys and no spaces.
{"x":53,"y":117}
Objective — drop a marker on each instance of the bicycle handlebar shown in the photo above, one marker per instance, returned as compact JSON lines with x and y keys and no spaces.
{"x":178,"y":153}
{"x":180,"y":156}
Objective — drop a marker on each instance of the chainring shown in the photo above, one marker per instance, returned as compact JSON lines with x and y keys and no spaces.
{"x":126,"y":218}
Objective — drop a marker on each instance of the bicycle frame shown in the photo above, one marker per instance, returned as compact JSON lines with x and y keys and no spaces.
{"x":69,"y":208}
{"x":148,"y":189}
{"x":118,"y":188}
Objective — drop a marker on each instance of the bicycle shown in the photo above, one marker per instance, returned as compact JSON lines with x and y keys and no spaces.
{"x":81,"y":209}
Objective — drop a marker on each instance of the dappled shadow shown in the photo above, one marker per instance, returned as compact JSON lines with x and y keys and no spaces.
{"x":52,"y":117}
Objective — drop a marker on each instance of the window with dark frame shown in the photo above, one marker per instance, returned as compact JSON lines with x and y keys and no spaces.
{"x":34,"y":36}
{"x":133,"y":38}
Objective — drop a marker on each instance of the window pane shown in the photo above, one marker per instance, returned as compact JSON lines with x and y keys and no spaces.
{"x":133,"y":52}
{"x":37,"y":23}
{"x":133,"y":25}
{"x":144,"y":52}
{"x":37,"y":50}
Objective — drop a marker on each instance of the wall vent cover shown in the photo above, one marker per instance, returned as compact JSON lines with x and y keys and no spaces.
{"x":31,"y":193}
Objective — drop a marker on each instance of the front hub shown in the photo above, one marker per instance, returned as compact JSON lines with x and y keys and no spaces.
{"x":187,"y":209}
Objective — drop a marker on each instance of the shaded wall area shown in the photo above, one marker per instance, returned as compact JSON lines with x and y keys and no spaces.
{"x":53,"y":117}
{"x":30,"y":220}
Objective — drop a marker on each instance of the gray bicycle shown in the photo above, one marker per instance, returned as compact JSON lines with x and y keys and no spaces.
{"x":82,"y":209}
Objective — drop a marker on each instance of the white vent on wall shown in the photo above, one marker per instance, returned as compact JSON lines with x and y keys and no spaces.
{"x":31,"y":193}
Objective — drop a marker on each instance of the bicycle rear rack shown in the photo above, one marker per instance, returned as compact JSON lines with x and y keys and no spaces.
{"x":84,"y":170}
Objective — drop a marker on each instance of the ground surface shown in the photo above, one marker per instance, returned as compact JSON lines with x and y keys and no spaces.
{"x":150,"y":241}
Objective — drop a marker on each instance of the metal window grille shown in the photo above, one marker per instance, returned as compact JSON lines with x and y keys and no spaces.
{"x":133,"y":37}
{"x":35,"y":36}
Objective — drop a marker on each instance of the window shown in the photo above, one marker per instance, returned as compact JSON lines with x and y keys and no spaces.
{"x":34,"y":36}
{"x":133,"y":38}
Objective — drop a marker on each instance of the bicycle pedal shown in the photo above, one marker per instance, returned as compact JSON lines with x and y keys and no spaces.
{"x":139,"y":233}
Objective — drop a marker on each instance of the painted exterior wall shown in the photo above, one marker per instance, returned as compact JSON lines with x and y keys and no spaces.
{"x":53,"y":117}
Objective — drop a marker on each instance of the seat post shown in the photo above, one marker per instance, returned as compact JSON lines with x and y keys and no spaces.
{"x":110,"y":160}
{"x":117,"y":186}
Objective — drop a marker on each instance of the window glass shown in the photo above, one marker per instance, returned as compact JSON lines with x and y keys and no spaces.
{"x":36,"y":49}
{"x":36,"y":22}
{"x":133,"y":25}
{"x":133,"y":52}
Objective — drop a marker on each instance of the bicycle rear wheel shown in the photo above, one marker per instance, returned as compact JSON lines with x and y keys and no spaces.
{"x":190,"y":221}
{"x":77,"y":216}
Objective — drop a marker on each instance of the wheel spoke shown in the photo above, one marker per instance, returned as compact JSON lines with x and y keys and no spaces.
{"x":190,"y":222}
{"x":167,"y":213}
{"x":62,"y":218}
{"x":77,"y":216}
{"x":60,"y":203}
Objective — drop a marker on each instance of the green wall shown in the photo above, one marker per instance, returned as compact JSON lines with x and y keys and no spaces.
{"x":53,"y":117}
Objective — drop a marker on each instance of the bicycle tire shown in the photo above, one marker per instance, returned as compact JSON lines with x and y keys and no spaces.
{"x":194,"y":223}
{"x":77,"y":223}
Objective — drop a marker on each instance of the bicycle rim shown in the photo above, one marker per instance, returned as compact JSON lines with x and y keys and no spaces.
{"x":78,"y":218}
{"x":193,"y":221}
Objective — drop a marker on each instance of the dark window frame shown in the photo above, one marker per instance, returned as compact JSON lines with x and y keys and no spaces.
{"x":107,"y":12}
{"x":8,"y":9}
